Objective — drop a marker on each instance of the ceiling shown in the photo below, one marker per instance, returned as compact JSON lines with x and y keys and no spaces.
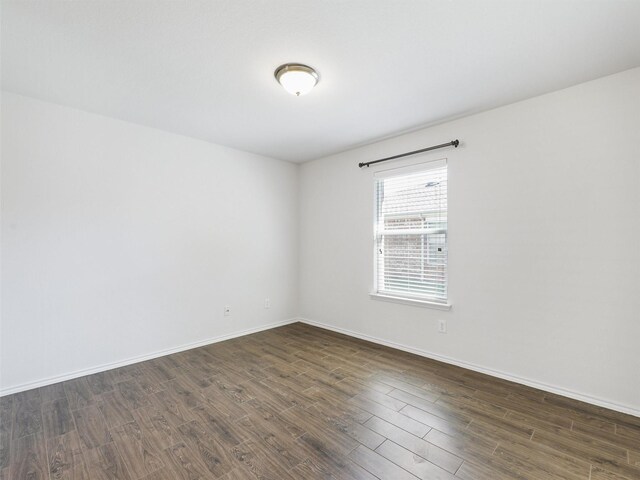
{"x":205,"y":68}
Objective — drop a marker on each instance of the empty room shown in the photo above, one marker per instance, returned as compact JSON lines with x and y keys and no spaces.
{"x":320,"y":240}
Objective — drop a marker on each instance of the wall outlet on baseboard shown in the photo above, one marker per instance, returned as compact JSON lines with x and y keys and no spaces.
{"x":267,"y":303}
{"x":227,"y":310}
{"x":442,"y":326}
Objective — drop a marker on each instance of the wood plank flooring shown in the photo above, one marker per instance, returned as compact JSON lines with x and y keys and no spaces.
{"x":299,"y":402}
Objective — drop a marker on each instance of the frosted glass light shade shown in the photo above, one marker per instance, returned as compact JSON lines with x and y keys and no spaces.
{"x":296,"y":79}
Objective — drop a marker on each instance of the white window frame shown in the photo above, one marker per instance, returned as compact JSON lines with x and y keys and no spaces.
{"x":402,"y":297}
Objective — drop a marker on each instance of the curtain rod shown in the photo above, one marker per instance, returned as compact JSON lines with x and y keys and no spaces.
{"x":453,"y":143}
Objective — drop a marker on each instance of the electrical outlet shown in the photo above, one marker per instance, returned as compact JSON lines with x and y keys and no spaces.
{"x":442,"y":326}
{"x":267,"y":303}
{"x":227,"y":310}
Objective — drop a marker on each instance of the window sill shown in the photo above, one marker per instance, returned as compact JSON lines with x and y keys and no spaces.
{"x":410,"y":301}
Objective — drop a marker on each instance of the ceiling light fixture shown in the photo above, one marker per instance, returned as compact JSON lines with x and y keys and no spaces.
{"x":295,"y":78}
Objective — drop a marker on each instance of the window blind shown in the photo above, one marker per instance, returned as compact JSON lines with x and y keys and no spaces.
{"x":411,"y":232}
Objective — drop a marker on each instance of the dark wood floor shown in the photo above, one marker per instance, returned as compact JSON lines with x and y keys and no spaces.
{"x":302,"y":403}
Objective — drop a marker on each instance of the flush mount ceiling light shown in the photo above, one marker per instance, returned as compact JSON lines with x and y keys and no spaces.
{"x":295,"y":78}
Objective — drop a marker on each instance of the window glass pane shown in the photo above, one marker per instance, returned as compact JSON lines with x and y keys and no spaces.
{"x":411,"y":234}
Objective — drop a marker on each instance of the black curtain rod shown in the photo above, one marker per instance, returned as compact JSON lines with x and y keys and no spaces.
{"x":453,"y":143}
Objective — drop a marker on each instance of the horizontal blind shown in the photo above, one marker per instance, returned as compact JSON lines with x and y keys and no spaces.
{"x":411,"y":234}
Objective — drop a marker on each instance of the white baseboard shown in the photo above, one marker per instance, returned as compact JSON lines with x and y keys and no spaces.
{"x":423,"y":353}
{"x":108,"y":366}
{"x":477,"y":368}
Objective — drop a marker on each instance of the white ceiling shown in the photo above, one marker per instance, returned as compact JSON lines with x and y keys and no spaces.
{"x":205,"y":68}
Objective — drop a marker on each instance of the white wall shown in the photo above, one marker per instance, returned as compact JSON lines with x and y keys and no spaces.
{"x":544,"y":212}
{"x":120,"y":241}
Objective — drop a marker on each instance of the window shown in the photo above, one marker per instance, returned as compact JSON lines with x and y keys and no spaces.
{"x":411,"y":232}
